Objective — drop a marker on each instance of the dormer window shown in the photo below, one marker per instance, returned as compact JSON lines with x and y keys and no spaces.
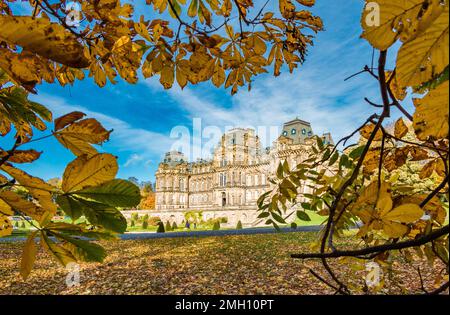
{"x":285,"y":133}
{"x":293,"y":131}
{"x":303,"y":131}
{"x":309,"y":133}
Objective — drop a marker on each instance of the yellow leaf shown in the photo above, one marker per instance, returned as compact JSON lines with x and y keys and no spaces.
{"x":167,"y":76}
{"x":6,"y":227}
{"x":39,"y":189}
{"x":63,"y":255}
{"x":84,"y":172}
{"x":431,"y":116}
{"x":193,"y":8}
{"x":384,"y":203}
{"x":157,"y":32}
{"x":400,"y":128}
{"x":379,"y":20}
{"x":67,"y":119}
{"x":79,"y":136}
{"x":394,"y":229}
{"x":398,"y":92}
{"x":425,"y":57}
{"x":22,"y":156}
{"x":16,"y":202}
{"x":219,"y":76}
{"x":427,"y":170}
{"x":39,"y":35}
{"x":405,"y":213}
{"x":384,"y":21}
{"x":28,"y":256}
{"x":367,"y":130}
{"x":371,"y":161}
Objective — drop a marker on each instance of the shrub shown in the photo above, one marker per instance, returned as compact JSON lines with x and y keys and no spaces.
{"x":174,"y":226}
{"x":16,"y":224}
{"x":145,"y":218}
{"x":160,"y":227}
{"x":145,"y":224}
{"x":22,"y":225}
{"x":135,"y":216}
{"x":216,"y":226}
{"x":224,"y":220}
{"x":239,"y":225}
{"x":168,"y":226}
{"x":153,"y":221}
{"x":132,"y":223}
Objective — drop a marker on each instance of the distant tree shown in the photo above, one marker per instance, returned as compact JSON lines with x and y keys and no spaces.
{"x":168,"y":227}
{"x":174,"y":226}
{"x":56,"y":181}
{"x":239,"y":225}
{"x":216,"y":226}
{"x":132,"y":223}
{"x":144,"y":224}
{"x":148,"y":202}
{"x":160,"y":227}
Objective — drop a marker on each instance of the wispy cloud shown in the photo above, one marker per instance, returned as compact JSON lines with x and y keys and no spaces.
{"x":141,"y":144}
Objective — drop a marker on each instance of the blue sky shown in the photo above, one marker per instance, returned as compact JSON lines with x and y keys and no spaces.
{"x":143,"y":115}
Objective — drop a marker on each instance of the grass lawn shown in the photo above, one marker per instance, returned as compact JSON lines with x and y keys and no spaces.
{"x":244,"y":264}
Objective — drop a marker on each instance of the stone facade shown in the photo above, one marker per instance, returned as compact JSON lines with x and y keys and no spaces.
{"x":231,"y":182}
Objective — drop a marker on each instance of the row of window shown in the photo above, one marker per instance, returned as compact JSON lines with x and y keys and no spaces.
{"x":294,"y":132}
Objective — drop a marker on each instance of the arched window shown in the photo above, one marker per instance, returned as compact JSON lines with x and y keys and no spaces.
{"x":304,"y":131}
{"x":293,"y":131}
{"x":285,"y":133}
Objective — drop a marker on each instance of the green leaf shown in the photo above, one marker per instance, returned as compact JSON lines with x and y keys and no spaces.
{"x":305,"y":205}
{"x":263,"y":215}
{"x":104,"y":215}
{"x":97,"y":213}
{"x":356,"y":153}
{"x":277,"y":217}
{"x":70,"y":206}
{"x":81,"y":249}
{"x":333,"y":158}
{"x":319,"y":142}
{"x":261,"y":199}
{"x":280,"y":171}
{"x":302,"y":215}
{"x":63,"y":255}
{"x":116,"y":193}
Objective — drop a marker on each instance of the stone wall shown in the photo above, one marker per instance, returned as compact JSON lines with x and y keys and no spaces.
{"x":247,"y":217}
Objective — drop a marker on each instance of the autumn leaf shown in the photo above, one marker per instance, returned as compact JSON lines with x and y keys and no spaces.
{"x":39,"y":189}
{"x":67,"y":119}
{"x":22,"y":156}
{"x":48,"y":39}
{"x":367,"y":130}
{"x":6,"y":227}
{"x":405,"y":213}
{"x":400,"y":129}
{"x":16,"y":202}
{"x":431,"y":116}
{"x":426,"y":56}
{"x":87,"y":171}
{"x":28,"y":256}
{"x":79,"y":136}
{"x":385,"y":21}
